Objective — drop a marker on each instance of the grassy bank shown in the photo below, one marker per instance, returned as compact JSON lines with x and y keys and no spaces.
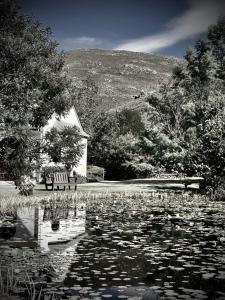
{"x":10,"y":203}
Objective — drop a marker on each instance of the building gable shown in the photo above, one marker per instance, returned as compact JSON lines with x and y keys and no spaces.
{"x":70,"y":119}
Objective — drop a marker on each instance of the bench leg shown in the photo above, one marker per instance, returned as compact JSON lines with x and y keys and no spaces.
{"x":69,"y":187}
{"x":47,"y":185}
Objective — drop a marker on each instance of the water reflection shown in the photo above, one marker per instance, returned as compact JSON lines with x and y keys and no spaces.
{"x":51,"y":226}
{"x":42,"y":240}
{"x":43,"y":226}
{"x":7,"y":226}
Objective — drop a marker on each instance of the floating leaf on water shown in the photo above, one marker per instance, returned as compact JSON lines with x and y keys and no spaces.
{"x":156,"y":287}
{"x":208,"y":275}
{"x":178,"y":269}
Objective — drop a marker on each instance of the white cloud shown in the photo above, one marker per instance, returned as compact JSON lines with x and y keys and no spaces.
{"x":80,"y":42}
{"x":194,"y":21}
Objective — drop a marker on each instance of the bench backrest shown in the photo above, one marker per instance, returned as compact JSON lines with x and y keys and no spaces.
{"x":60,"y":177}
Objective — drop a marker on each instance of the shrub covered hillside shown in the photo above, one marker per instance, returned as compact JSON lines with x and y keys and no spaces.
{"x":119,"y":75}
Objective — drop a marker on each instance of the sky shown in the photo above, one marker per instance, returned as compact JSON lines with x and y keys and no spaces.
{"x":166,"y":27}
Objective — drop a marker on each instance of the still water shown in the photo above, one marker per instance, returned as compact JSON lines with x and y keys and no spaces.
{"x":152,"y":248}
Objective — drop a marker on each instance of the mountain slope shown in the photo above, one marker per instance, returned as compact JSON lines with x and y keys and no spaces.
{"x":120,"y":75}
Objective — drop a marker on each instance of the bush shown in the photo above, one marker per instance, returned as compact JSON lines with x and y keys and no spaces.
{"x":81,"y":179}
{"x":138,"y":170}
{"x":52,"y":169}
{"x":219,"y":194}
{"x":25,"y":185}
{"x":95,"y":174}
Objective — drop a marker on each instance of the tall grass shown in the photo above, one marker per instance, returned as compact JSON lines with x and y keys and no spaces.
{"x":10,"y":204}
{"x":8,"y":281}
{"x":11,"y":285}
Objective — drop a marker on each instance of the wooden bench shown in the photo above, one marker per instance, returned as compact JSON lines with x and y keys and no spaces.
{"x":56,"y":180}
{"x":181,"y":178}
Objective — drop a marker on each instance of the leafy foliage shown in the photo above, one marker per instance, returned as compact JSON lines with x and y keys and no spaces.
{"x":87,"y":103}
{"x":184,"y":128}
{"x":26,"y":185}
{"x":95,"y":173}
{"x":130,"y":121}
{"x":138,"y":170}
{"x":32,"y":86}
{"x":113,"y":144}
{"x":20,"y":152}
{"x":64,"y":146}
{"x":190,"y":111}
{"x":47,"y":170}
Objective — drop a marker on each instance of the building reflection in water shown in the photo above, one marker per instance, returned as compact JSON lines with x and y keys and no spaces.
{"x":52,"y":226}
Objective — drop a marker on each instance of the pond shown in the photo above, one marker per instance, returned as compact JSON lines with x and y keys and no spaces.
{"x":161,"y":246}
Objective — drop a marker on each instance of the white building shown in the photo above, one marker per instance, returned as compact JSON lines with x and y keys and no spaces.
{"x":70,"y":119}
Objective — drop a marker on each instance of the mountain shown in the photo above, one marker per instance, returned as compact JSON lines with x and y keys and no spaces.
{"x":124,"y":78}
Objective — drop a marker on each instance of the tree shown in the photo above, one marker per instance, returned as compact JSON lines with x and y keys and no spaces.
{"x":87,"y":103}
{"x":216,"y":40}
{"x":130,"y":122}
{"x":64,"y":146}
{"x":112,"y":149}
{"x":20,"y":152}
{"x":32,"y":83}
{"x":191,"y":109}
{"x":105,"y":132}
